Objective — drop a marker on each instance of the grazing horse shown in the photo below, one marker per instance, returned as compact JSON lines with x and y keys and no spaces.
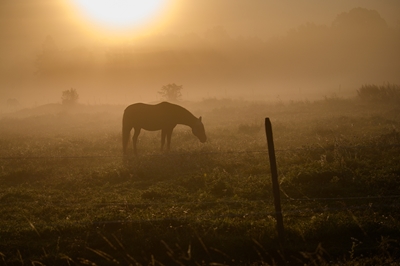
{"x":163,"y":116}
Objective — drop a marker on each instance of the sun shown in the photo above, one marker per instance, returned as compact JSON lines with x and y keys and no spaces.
{"x":121,"y":14}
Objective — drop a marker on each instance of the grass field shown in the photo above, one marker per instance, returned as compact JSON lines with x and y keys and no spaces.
{"x":67,"y":197}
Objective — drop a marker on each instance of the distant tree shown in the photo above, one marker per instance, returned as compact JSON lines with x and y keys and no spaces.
{"x":48,"y":60}
{"x":12,"y":102}
{"x":171,"y":92}
{"x":70,"y":97}
{"x":54,"y":62}
{"x":217,"y":33}
{"x":360,"y":19}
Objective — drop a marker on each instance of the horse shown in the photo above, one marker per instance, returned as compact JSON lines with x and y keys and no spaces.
{"x":163,"y":116}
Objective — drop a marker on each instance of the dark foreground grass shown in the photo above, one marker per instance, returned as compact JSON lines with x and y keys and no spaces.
{"x":70,"y":199}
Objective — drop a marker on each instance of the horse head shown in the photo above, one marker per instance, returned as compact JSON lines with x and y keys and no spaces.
{"x":198,"y":130}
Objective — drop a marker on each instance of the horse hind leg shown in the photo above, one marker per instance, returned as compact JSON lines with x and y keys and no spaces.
{"x":134,"y":139}
{"x":166,"y":134}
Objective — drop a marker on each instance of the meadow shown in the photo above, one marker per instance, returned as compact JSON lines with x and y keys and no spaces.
{"x":67,"y":197}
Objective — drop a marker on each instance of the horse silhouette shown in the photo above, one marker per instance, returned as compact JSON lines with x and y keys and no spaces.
{"x":163,"y":116}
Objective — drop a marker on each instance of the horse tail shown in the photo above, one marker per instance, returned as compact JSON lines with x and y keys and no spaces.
{"x":126,"y":132}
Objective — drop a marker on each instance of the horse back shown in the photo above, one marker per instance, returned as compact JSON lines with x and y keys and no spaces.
{"x":150,"y":117}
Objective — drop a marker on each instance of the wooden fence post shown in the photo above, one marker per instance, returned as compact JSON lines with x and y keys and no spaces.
{"x":275,"y":183}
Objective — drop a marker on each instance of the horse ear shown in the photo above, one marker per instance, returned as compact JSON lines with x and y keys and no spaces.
{"x":200,"y":118}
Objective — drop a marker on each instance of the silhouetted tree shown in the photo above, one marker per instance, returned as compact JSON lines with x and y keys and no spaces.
{"x":54,"y":62}
{"x":69,"y":97}
{"x":12,"y":102}
{"x":360,"y":19}
{"x":49,"y":57}
{"x":217,"y":33}
{"x":171,"y":92}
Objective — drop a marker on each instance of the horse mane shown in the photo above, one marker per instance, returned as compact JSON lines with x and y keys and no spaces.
{"x":187,"y":117}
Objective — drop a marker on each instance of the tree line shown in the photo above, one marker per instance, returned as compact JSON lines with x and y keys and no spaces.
{"x":358,"y":41}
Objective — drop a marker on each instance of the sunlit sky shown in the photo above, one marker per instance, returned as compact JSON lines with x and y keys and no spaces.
{"x":29,"y":22}
{"x":115,"y":15}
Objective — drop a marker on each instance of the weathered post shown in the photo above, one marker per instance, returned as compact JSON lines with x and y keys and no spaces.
{"x":275,"y":183}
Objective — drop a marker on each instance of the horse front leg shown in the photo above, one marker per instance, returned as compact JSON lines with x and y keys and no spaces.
{"x":163,"y":135}
{"x":169,"y":135}
{"x":134,"y":139}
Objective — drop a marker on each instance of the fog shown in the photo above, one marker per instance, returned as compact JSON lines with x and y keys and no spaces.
{"x":215,"y":49}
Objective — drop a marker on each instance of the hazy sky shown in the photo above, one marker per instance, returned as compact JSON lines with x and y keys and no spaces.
{"x":24,"y":24}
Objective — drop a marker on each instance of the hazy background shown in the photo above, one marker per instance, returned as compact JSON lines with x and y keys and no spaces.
{"x":259,"y":49}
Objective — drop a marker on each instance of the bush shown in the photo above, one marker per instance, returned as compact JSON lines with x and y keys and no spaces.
{"x":385,"y":93}
{"x":69,"y":97}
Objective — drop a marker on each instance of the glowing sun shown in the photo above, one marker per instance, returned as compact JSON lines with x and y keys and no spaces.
{"x":121,"y":14}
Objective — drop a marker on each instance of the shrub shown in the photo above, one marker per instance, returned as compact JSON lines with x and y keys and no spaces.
{"x":69,"y":97}
{"x":384,"y":93}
